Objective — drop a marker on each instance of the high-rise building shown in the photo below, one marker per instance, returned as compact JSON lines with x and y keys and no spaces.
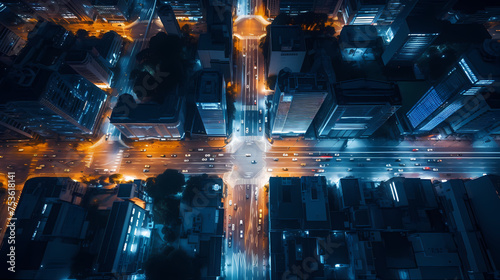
{"x":52,"y":104}
{"x":114,"y":10}
{"x":296,"y":7}
{"x":296,"y":101}
{"x":167,"y":17}
{"x":91,"y":66}
{"x":211,"y":103}
{"x":362,"y":12}
{"x":67,"y":11}
{"x":150,"y":120}
{"x":410,"y":41}
{"x":357,"y":108}
{"x":10,"y":43}
{"x":287,"y":49}
{"x":473,"y":74}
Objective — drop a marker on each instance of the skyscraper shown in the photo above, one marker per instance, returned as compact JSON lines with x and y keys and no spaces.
{"x":357,"y":108}
{"x":472,"y":74}
{"x":114,"y":10}
{"x":362,"y":12}
{"x":67,"y":11}
{"x":410,"y":41}
{"x":91,"y":66}
{"x":167,"y":17}
{"x":52,"y":104}
{"x":211,"y":102}
{"x":287,"y":49}
{"x":10,"y":43}
{"x":296,"y":101}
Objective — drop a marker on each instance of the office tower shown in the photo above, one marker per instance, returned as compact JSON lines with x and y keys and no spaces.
{"x":187,"y":10}
{"x":91,"y":66}
{"x":215,"y":48}
{"x":357,"y":108}
{"x":362,"y":12}
{"x":472,"y":74}
{"x":10,"y":43}
{"x":481,"y":12}
{"x":287,"y":49}
{"x":63,"y":11}
{"x":150,"y":120}
{"x":49,"y":228}
{"x":296,"y":7}
{"x":114,"y":10}
{"x":52,"y":104}
{"x":468,"y":207}
{"x":358,"y":42}
{"x":211,"y":103}
{"x":167,"y":17}
{"x":410,"y":41}
{"x":20,"y":9}
{"x":109,"y":47}
{"x":296,"y":101}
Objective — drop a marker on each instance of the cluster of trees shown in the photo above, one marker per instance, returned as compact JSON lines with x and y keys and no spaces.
{"x":172,"y":264}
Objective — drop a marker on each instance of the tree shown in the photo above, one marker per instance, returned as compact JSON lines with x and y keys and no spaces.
{"x":81,"y":265}
{"x":168,"y":183}
{"x":191,"y":188}
{"x":115,"y":178}
{"x":172,"y":262}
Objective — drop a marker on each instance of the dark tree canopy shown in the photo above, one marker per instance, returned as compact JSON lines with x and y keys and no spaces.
{"x":172,"y":264}
{"x":191,"y":186}
{"x":166,"y":184}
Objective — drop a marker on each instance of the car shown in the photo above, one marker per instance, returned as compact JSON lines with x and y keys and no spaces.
{"x":321,"y":170}
{"x":413,"y":159}
{"x":242,"y":121}
{"x":389,"y":169}
{"x":186,"y":160}
{"x":426,"y":168}
{"x":128,"y":161}
{"x":368,"y":159}
{"x":259,"y":228}
{"x":244,"y":54}
{"x":20,"y":150}
{"x":230,"y":203}
{"x":430,"y":150}
{"x":295,"y":154}
{"x":38,"y":167}
{"x":256,"y":196}
{"x":276,"y":159}
{"x":260,"y":128}
{"x":398,"y":160}
{"x":247,"y":197}
{"x":255,"y":66}
{"x":435,"y":169}
{"x":191,"y":150}
{"x":211,"y":159}
{"x":256,"y":77}
{"x":229,"y":242}
{"x":349,"y":169}
{"x":230,"y":217}
{"x":322,"y":165}
{"x":145,"y":170}
{"x":284,"y":169}
{"x":207,"y":155}
{"x":254,"y":162}
{"x":147,"y":166}
{"x":351,"y":159}
{"x":235,"y":207}
{"x":54,"y":155}
{"x":173,"y":155}
{"x":185,"y":171}
{"x":246,"y":130}
{"x":248,"y":155}
{"x":400,"y":170}
{"x":260,"y":121}
{"x":232,"y":227}
{"x":162,"y":156}
{"x":126,"y":155}
{"x":417,"y":164}
{"x":388,"y":165}
{"x":260,"y":112}
{"x":402,"y":164}
{"x":269,"y":170}
{"x":431,"y":160}
{"x":255,"y":102}
{"x":187,"y":155}
{"x":265,"y":119}
{"x":200,"y":149}
{"x":439,"y":160}
{"x":143,"y":150}
{"x":248,"y":86}
{"x":302,"y":164}
{"x":204,"y":159}
{"x":414,"y":150}
{"x":260,"y":221}
{"x":149,"y":156}
{"x":285,"y":155}
{"x":210,"y":166}
{"x":339,"y":159}
{"x":318,"y":159}
{"x":66,"y":170}
{"x":241,"y":222}
{"x":294,"y":159}
{"x":337,"y":155}
{"x":241,"y":233}
{"x":248,"y":187}
{"x":220,"y":155}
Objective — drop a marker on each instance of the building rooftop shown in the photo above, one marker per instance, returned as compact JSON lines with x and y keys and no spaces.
{"x":363,"y":91}
{"x":128,"y":111}
{"x":209,"y":87}
{"x":287,"y":38}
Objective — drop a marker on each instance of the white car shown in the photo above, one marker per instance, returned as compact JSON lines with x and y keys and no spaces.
{"x":185,"y":171}
{"x":248,"y":155}
{"x":186,"y":160}
{"x":337,"y":155}
{"x":339,"y":159}
{"x":246,"y":130}
{"x":435,"y":169}
{"x":321,"y":170}
{"x":388,"y":165}
{"x":285,"y":155}
{"x":204,"y":159}
{"x":207,"y":155}
{"x":430,"y":150}
{"x":187,"y":155}
{"x":269,"y":170}
{"x":241,"y":222}
{"x":230,"y":203}
{"x":413,"y":159}
{"x":241,"y":233}
{"x":368,"y":159}
{"x":294,"y":159}
{"x":400,"y":170}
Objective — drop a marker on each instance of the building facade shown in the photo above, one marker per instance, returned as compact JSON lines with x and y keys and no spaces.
{"x":287,"y":49}
{"x":211,"y":103}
